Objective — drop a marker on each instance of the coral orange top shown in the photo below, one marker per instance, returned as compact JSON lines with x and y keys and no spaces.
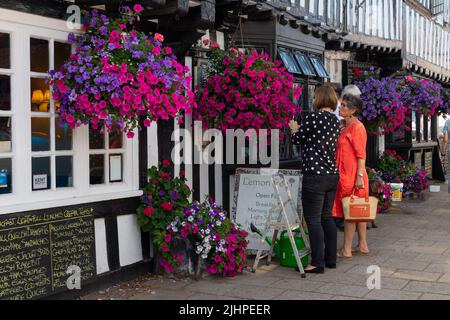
{"x":351,"y":147}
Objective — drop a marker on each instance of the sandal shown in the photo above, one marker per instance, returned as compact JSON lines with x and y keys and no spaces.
{"x":357,"y":250}
{"x":341,"y":255}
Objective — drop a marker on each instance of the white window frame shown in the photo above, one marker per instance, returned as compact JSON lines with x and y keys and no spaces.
{"x":22,"y":27}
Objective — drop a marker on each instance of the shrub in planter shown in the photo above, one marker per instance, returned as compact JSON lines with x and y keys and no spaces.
{"x":118,"y":74}
{"x":390,"y":165}
{"x":378,"y":188}
{"x":163,"y":200}
{"x":217,"y":240}
{"x":416,"y":183}
{"x":245,"y":91}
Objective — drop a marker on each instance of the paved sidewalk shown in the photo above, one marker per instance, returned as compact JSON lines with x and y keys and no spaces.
{"x":411,"y":246}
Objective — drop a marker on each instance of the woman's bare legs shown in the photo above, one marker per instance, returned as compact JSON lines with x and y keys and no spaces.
{"x":349,"y":233}
{"x":362,"y":237}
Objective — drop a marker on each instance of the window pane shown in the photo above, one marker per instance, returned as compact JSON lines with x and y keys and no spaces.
{"x":4,"y":51}
{"x":5,"y":135}
{"x":40,"y":134}
{"x":5,"y":93}
{"x":115,"y":140}
{"x":64,"y":176}
{"x":62,"y":53}
{"x":96,"y":139}
{"x":63,"y":136}
{"x":41,"y":179}
{"x":305,"y":64}
{"x":40,"y":95}
{"x":289,"y":62}
{"x":39,"y":55}
{"x":97,"y":169}
{"x":115,"y":168}
{"x":5,"y":176}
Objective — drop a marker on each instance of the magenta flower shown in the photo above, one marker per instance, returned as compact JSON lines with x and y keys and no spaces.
{"x":137,"y":8}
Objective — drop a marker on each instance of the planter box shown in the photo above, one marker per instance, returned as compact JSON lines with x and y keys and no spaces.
{"x":398,"y":191}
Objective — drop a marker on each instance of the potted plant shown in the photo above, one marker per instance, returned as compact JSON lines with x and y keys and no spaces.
{"x":219,"y":243}
{"x":163,"y":200}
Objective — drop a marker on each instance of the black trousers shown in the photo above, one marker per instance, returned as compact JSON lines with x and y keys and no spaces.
{"x":318,"y":193}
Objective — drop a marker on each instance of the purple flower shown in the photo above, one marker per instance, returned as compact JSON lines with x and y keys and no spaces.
{"x":174,"y":195}
{"x":162,"y":193}
{"x":71,"y":38}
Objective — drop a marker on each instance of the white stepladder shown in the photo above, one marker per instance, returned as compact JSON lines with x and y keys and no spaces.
{"x":282,"y":223}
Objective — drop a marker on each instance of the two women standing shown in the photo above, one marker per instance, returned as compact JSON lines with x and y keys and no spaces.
{"x":333,"y":167}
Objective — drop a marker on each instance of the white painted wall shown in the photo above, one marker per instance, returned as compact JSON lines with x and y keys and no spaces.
{"x":101,"y":252}
{"x":130,"y":246}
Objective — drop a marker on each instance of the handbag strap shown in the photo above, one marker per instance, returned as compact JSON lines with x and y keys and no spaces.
{"x":352,"y":197}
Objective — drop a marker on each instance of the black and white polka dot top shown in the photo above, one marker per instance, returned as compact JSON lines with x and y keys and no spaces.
{"x":318,"y":136}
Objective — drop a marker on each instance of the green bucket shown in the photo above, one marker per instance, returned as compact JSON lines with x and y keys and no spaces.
{"x":284,"y":250}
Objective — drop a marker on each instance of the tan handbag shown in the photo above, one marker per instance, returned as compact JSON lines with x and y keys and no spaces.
{"x":360,"y":209}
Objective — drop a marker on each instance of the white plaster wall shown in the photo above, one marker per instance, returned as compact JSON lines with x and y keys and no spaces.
{"x":130,"y":246}
{"x":152,"y":144}
{"x":101,"y":252}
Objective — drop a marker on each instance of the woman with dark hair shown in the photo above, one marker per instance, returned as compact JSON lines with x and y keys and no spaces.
{"x":318,"y":136}
{"x":353,"y":178}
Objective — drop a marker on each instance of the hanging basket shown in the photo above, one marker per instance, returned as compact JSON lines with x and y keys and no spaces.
{"x":117,"y":75}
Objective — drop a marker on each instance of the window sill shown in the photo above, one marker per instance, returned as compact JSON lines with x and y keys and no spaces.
{"x":67,"y":201}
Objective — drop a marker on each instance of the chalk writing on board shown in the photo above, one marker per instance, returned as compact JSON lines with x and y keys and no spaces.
{"x":37,"y":249}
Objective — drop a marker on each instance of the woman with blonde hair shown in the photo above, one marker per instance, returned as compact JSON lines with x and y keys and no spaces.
{"x":318,"y":136}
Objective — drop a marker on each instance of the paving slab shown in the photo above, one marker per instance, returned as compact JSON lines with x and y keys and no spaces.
{"x":438,"y":267}
{"x":389,"y":294}
{"x":298,"y":295}
{"x":297,"y":285}
{"x":428,"y":287}
{"x":343,"y":289}
{"x":432,"y":296}
{"x":253,"y":292}
{"x":212,"y":287}
{"x":416,"y":275}
{"x":445,"y":278}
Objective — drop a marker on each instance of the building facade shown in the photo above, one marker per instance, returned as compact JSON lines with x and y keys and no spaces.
{"x":56,"y":173}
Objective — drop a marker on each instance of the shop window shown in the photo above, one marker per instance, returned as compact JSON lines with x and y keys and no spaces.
{"x":41,"y":173}
{"x":62,"y":54}
{"x":40,"y":95}
{"x":289,"y":61}
{"x":64,"y":172}
{"x":4,"y":51}
{"x":51,"y":142}
{"x":319,"y":67}
{"x":5,"y":175}
{"x":105,"y":157}
{"x":6,"y":117}
{"x":5,"y":93}
{"x":305,"y":64}
{"x":39,"y":55}
{"x":5,"y":135}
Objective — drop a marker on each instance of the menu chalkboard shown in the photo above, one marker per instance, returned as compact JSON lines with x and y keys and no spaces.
{"x":36,"y":251}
